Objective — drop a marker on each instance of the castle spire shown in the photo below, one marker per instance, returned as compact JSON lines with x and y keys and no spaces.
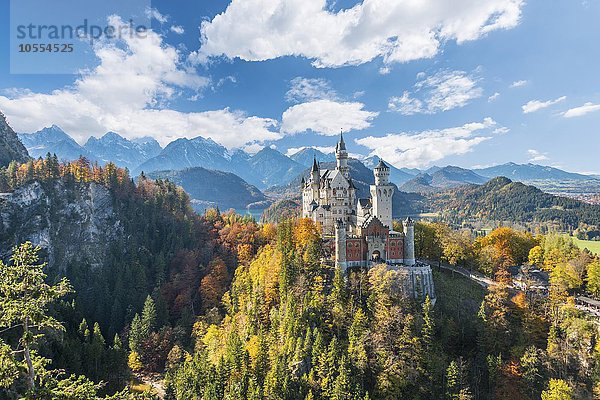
{"x":341,"y":144}
{"x":315,"y":166}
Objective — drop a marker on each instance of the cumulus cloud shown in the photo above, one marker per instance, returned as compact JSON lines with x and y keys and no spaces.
{"x":536,"y":156}
{"x":396,"y":31}
{"x":417,"y":150}
{"x":581,"y":110}
{"x":326,"y":117}
{"x":127,"y":93}
{"x":442,"y":91}
{"x":536,"y":105}
{"x":310,"y":89}
{"x":518,"y":84}
{"x":323,"y":149}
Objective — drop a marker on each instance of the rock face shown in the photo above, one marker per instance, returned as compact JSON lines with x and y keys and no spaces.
{"x":11,"y":147}
{"x":71,"y":225}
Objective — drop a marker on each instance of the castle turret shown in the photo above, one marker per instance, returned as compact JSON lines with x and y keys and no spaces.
{"x":409,"y":241}
{"x":314,"y":172}
{"x":340,"y":245}
{"x":341,"y":157}
{"x":381,"y":194}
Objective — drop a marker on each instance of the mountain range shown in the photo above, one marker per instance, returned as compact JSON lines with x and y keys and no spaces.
{"x":528,"y":172}
{"x":442,"y":178}
{"x":269,"y":167}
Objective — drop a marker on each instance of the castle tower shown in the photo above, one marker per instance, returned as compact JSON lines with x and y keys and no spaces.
{"x":381,"y":194}
{"x":341,"y":157}
{"x":315,"y":179}
{"x":409,"y":241}
{"x":340,"y":245}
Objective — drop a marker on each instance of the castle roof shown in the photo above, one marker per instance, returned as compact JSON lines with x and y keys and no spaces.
{"x":381,"y":165}
{"x":341,"y":144}
{"x":371,"y":220}
{"x":364,"y":203}
{"x":315,"y":166}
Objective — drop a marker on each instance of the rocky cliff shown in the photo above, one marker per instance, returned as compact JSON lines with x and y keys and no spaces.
{"x":72,"y":225}
{"x":11,"y":147}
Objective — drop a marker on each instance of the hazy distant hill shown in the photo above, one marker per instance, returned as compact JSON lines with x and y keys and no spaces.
{"x":209,"y":188}
{"x":442,"y":178}
{"x":501,"y":199}
{"x":526,"y":172}
{"x":273,"y":167}
{"x":306,"y":156}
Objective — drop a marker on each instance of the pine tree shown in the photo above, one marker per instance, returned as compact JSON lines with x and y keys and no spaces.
{"x":136,"y":334}
{"x":148,"y":317}
{"x":24,"y":300}
{"x":356,"y":337}
{"x":342,"y":387}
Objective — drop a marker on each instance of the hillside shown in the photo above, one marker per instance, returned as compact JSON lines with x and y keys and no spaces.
{"x":273,"y":167}
{"x":501,"y":199}
{"x":442,"y":178}
{"x":280,"y":211}
{"x":210,"y":188}
{"x":11,"y":148}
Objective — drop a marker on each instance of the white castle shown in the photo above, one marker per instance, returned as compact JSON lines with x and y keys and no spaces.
{"x":359,"y":230}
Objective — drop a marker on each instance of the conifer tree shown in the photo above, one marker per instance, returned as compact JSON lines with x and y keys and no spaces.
{"x":148,"y":319}
{"x":24,"y":301}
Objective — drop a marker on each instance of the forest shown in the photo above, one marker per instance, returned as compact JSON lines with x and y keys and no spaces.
{"x":218,"y":306}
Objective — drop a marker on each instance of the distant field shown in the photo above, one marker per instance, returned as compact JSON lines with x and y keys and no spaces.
{"x":591,"y":245}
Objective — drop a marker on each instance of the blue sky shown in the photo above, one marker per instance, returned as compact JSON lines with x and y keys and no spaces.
{"x":472,"y":83}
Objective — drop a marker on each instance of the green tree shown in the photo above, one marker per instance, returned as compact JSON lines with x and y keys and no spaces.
{"x":532,"y":370}
{"x":148,"y":317}
{"x":24,"y":300}
{"x":136,"y":335}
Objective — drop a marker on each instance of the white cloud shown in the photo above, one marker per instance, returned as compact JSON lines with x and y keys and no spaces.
{"x":417,"y":150}
{"x":127,"y":92}
{"x":536,"y":156}
{"x":442,"y":91}
{"x":493,"y":97}
{"x":178,"y":29}
{"x":397,"y":31}
{"x":323,"y":149}
{"x":536,"y":105}
{"x":518,"y":84}
{"x":310,"y":89}
{"x":582,"y":110}
{"x":326,"y":117}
